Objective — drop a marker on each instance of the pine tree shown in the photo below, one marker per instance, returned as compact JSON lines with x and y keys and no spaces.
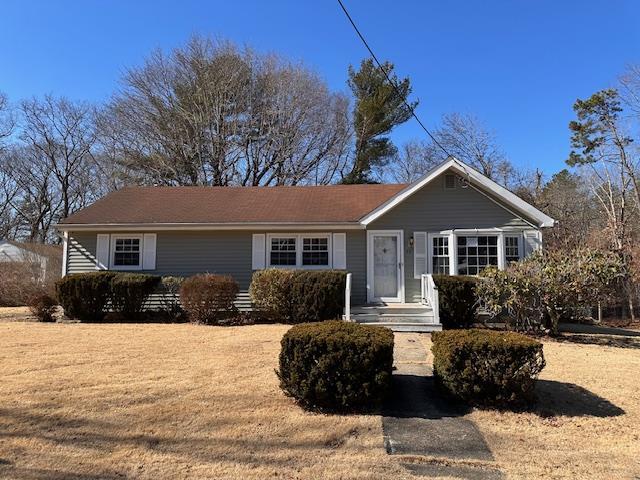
{"x":378,"y":109}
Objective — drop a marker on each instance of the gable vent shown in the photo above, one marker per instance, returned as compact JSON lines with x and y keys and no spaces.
{"x":449,"y":182}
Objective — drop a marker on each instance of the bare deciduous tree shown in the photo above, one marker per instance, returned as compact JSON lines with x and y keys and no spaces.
{"x":413,"y":161}
{"x":61,"y":134}
{"x":464,"y":137}
{"x":212,"y":114}
{"x":7,"y":120}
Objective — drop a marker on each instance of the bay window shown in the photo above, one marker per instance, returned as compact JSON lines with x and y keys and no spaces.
{"x":475,"y":253}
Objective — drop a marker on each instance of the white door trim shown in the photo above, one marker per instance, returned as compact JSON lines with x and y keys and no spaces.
{"x":400,"y":236}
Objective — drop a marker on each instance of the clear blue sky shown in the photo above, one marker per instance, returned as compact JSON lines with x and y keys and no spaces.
{"x":517,"y":64}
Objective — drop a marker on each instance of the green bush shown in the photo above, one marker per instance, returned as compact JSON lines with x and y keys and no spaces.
{"x":294,"y":296}
{"x":458,"y":300}
{"x":336,"y":365}
{"x":317,"y":295}
{"x":270,"y":292}
{"x":85,"y":295}
{"x":130,"y":291}
{"x":487,"y":368}
{"x":208,"y":298}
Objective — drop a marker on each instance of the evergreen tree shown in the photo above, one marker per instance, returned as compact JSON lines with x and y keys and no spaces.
{"x":379,"y":107}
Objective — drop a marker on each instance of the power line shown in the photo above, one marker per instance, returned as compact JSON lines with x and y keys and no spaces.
{"x":393,"y":84}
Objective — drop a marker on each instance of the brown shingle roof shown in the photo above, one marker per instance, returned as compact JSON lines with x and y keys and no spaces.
{"x":318,"y":204}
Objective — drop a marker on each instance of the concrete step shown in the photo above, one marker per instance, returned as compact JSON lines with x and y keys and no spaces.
{"x":411,"y":327}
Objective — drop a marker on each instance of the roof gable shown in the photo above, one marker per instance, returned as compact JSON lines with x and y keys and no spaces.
{"x":497,"y":193}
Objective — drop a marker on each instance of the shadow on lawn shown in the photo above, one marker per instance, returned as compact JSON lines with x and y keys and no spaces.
{"x":568,"y":399}
{"x":210,"y":444}
{"x":601,"y":340}
{"x":553,"y":399}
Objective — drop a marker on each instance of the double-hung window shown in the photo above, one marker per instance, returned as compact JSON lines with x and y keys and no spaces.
{"x":475,"y":253}
{"x":511,"y":248}
{"x":283,"y":251}
{"x":315,"y":251}
{"x":126,"y":252}
{"x":440,"y":255}
{"x":299,"y":251}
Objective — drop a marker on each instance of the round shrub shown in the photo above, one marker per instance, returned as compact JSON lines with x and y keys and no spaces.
{"x":487,"y":368}
{"x":336,"y":365}
{"x":43,"y":307}
{"x":209,"y":298}
{"x":85,"y":295}
{"x":458,"y":300}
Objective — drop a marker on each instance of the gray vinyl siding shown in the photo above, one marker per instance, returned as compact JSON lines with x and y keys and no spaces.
{"x":224,"y":252}
{"x":434,"y":209}
{"x":357,"y":265}
{"x":81,"y":253}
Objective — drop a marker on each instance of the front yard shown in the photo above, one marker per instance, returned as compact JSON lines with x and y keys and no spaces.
{"x":182,"y":401}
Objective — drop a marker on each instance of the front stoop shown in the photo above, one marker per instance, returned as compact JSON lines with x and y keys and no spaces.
{"x":399,"y":317}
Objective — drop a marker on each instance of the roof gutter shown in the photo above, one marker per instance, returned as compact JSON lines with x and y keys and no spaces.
{"x":281,"y":226}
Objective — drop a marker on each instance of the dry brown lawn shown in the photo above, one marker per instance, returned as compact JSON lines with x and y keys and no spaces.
{"x":586,"y":424}
{"x":16,"y":314}
{"x":182,"y":401}
{"x":167,"y":401}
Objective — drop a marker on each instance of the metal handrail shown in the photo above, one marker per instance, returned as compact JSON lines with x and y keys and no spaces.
{"x":429,"y":295}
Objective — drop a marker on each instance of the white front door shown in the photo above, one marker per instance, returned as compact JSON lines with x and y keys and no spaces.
{"x":385,"y":266}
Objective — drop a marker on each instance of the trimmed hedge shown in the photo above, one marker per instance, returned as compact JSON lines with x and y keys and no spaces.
{"x":318,"y":295}
{"x":130,"y":291}
{"x":208,"y":298}
{"x":487,"y":368}
{"x":294,"y":296}
{"x":458,"y":300}
{"x":270,"y":292}
{"x":336,"y":366}
{"x":85,"y":295}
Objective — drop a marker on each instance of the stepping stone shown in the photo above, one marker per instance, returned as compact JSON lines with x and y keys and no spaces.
{"x":466,"y":472}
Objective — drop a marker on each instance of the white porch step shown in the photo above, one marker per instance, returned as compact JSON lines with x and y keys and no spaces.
{"x":243,"y":302}
{"x":399,"y":317}
{"x":392,"y":309}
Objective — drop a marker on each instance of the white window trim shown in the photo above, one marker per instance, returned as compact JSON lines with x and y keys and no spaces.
{"x":472,"y":232}
{"x":112,"y":251}
{"x":299,"y":244}
{"x":519,"y":237}
{"x":430,"y":238}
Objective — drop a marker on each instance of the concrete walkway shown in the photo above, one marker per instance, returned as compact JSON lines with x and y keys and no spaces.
{"x":417,"y":422}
